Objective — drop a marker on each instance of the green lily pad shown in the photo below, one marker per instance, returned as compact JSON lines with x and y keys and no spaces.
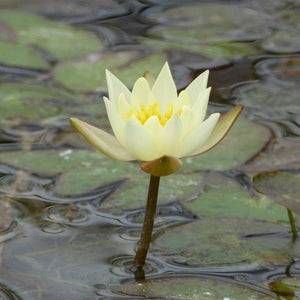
{"x":48,"y":162}
{"x":59,"y":40}
{"x":282,"y":188}
{"x":78,"y":171}
{"x":133,"y":193}
{"x":244,"y":141}
{"x":31,"y":102}
{"x":129,"y":74}
{"x":20,"y":55}
{"x":212,"y":50}
{"x":206,"y":22}
{"x":89,"y":74}
{"x":223,"y":242}
{"x":93,"y":172}
{"x":189,"y":288}
{"x":10,"y":91}
{"x":283,"y":154}
{"x":220,"y":196}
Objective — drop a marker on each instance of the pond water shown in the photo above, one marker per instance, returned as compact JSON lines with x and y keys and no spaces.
{"x":70,"y":218}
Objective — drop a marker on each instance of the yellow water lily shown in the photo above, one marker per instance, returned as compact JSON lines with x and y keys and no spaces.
{"x":153,"y":123}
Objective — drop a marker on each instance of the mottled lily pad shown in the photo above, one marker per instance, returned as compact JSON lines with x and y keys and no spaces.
{"x":133,"y":193}
{"x":20,"y":55}
{"x":88,"y":74}
{"x":243,"y":142}
{"x":272,"y":101}
{"x":283,"y":188}
{"x":212,"y":50}
{"x":219,"y":196}
{"x":59,"y":40}
{"x":283,"y":154}
{"x":31,"y":102}
{"x":78,"y":171}
{"x":189,"y":288}
{"x":224,"y":242}
{"x":207,"y":22}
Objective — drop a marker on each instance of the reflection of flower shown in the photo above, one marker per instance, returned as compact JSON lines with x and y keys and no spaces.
{"x":153,"y":121}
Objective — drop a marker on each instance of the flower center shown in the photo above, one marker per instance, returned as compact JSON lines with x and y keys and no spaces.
{"x":153,"y":110}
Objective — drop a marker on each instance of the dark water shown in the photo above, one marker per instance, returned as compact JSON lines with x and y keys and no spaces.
{"x":60,"y":243}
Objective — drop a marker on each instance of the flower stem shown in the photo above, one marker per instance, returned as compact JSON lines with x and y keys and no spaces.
{"x":140,"y":257}
{"x":292,"y":223}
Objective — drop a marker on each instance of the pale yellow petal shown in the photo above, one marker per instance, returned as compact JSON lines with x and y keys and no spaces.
{"x":170,"y":136}
{"x":149,"y":77}
{"x":116,"y":87}
{"x":102,"y":140}
{"x":164,"y":89}
{"x":200,"y":106}
{"x":140,"y":93}
{"x":115,"y":120}
{"x":187,"y":119}
{"x":182,"y":100}
{"x":221,"y":129}
{"x":197,"y":137}
{"x":138,"y":142}
{"x":154,"y":128}
{"x":197,"y":85}
{"x":123,"y":107}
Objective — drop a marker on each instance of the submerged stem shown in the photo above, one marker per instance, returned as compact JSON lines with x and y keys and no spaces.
{"x":145,"y":239}
{"x":292,"y":223}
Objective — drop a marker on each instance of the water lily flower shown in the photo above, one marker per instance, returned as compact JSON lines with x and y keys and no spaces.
{"x":155,"y":124}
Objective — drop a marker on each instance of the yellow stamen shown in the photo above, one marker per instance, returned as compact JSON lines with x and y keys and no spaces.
{"x":153,"y":110}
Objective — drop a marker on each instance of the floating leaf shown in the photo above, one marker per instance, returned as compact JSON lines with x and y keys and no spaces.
{"x":220,"y":196}
{"x":213,"y":50}
{"x":283,"y":154}
{"x":193,"y":288}
{"x":210,"y":22}
{"x":283,"y":188}
{"x":59,"y":40}
{"x":244,"y":141}
{"x":132,"y":194}
{"x":221,"y":242}
{"x":88,"y":74}
{"x":20,"y":55}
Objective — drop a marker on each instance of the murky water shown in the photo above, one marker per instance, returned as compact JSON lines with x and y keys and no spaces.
{"x":70,"y":218}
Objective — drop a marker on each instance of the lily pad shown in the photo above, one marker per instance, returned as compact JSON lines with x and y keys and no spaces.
{"x":244,"y":141}
{"x":88,"y":74}
{"x":59,"y":40}
{"x":210,"y":22}
{"x":133,"y":193}
{"x":282,"y":154}
{"x":282,"y":188}
{"x":223,"y":242}
{"x":220,"y":196}
{"x":212,"y":50}
{"x":78,"y":171}
{"x":20,"y":55}
{"x":31,"y":102}
{"x":189,"y":288}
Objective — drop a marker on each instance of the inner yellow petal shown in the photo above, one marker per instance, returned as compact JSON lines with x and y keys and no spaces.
{"x":153,"y":109}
